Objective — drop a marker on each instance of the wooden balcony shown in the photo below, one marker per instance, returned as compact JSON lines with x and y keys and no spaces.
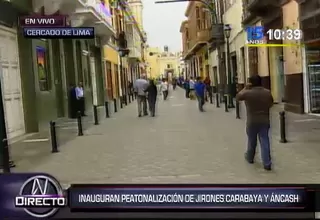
{"x":247,"y":17}
{"x":261,"y":7}
{"x":203,"y":36}
{"x":217,"y":33}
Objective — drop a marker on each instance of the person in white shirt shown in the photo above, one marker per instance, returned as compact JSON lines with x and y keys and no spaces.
{"x":80,"y":99}
{"x":139,"y":87}
{"x":191,"y":88}
{"x":164,"y":89}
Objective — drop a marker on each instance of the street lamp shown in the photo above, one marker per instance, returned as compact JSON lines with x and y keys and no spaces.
{"x":227,"y":32}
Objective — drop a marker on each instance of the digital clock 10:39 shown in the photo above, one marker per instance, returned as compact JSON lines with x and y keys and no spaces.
{"x":287,"y":34}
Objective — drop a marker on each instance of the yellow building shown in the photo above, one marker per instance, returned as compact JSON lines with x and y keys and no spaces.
{"x":169,"y":64}
{"x":121,"y":67}
{"x":111,"y":57}
{"x":151,"y":57}
{"x":163,"y":64}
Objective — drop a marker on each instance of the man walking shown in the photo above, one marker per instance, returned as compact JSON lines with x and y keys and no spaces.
{"x":152,"y":91}
{"x":80,"y":98}
{"x":258,"y":102}
{"x":164,"y":89}
{"x":200,"y":90}
{"x":140,"y":86}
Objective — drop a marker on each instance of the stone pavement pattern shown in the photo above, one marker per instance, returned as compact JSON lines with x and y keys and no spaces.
{"x":179,"y":145}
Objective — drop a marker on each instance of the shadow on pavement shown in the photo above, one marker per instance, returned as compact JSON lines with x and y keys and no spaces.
{"x":36,"y":148}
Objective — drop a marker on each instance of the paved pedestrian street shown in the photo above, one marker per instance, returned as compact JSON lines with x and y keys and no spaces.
{"x":182,"y":145}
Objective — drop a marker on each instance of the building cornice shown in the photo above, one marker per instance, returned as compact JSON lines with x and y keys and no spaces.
{"x":190,"y":5}
{"x":183,"y":25}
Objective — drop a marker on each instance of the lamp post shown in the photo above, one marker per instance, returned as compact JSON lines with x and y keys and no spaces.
{"x":227,"y":31}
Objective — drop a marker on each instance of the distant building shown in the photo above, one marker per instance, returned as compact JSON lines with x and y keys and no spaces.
{"x":163,"y":64}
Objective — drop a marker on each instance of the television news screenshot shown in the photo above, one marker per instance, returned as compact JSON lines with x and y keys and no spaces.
{"x":159,"y":109}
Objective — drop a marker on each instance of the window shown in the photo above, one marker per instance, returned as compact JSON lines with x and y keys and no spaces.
{"x":42,"y":64}
{"x":168,"y":66}
{"x":198,"y":18}
{"x":203,"y":19}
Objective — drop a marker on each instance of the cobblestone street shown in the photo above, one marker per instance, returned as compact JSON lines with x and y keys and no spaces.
{"x":181,"y":145}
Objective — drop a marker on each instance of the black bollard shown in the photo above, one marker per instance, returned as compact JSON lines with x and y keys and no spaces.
{"x":106,"y":106}
{"x":129,"y":98}
{"x":121,"y":102}
{"x":79,"y":119}
{"x":6,"y":157}
{"x":115,"y":105}
{"x":237,"y":110}
{"x":226,"y":103}
{"x":217,"y":100}
{"x":95,"y":115}
{"x":53,"y":134}
{"x":211,"y":98}
{"x":283,"y":127}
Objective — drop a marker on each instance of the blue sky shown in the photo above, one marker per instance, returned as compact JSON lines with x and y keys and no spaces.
{"x":162,"y":23}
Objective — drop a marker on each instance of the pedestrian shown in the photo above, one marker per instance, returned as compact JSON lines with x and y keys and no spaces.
{"x":152,"y":92}
{"x":165,"y":89}
{"x":140,"y":86}
{"x":191,"y":88}
{"x":258,"y":102}
{"x":174,"y":83}
{"x":207,"y":82}
{"x":200,"y":90}
{"x":81,"y":99}
{"x":186,"y":86}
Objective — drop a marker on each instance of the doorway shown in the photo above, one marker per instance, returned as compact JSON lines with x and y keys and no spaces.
{"x":215,"y":79}
{"x":234,"y":73}
{"x":243,"y":66}
{"x":58,"y":78}
{"x":313,"y":73}
{"x":109,"y":80}
{"x":11,"y":82}
{"x":276,"y":69}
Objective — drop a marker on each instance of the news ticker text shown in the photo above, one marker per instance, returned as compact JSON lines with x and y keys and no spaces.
{"x":64,"y":32}
{"x":54,"y":27}
{"x":176,"y":197}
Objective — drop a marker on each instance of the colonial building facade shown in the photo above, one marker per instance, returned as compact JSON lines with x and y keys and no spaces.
{"x":280,"y":67}
{"x":290,"y":72}
{"x":196,"y":35}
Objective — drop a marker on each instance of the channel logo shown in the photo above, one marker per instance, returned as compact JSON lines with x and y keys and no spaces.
{"x":41,"y":197}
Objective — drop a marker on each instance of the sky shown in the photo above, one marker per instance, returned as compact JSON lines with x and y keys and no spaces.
{"x":162,"y":24}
